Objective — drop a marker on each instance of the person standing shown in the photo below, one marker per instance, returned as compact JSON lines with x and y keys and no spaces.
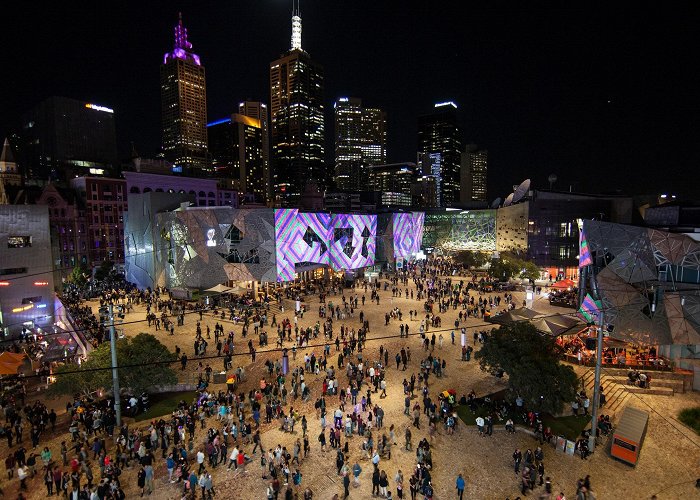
{"x":48,"y":480}
{"x":346,"y":485}
{"x":398,"y":479}
{"x":460,"y":486}
{"x":375,"y":481}
{"x":141,"y":479}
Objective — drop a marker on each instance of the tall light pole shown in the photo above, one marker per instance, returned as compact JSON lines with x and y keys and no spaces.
{"x":596,"y":389}
{"x":115,"y":371}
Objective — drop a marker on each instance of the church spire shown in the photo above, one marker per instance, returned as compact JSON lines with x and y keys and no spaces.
{"x":296,"y":25}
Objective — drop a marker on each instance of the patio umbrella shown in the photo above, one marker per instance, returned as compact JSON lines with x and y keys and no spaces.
{"x":218,"y":289}
{"x":553,"y":327}
{"x":9,"y":369}
{"x":514,"y":316}
{"x":237,"y":289}
{"x":564,"y":284}
{"x":11,"y":357}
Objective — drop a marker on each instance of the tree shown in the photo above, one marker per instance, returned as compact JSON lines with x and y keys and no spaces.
{"x":530,"y":271}
{"x":504,"y":268}
{"x":145,"y":350}
{"x":471,"y":259}
{"x":80,"y":275}
{"x":531,"y":361}
{"x":103,"y":271}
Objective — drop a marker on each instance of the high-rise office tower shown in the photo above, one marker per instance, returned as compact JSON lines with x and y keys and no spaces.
{"x":296,"y":120}
{"x":183,"y":95}
{"x":64,"y":137}
{"x":439,"y":137}
{"x":258,"y":111}
{"x":220,"y":144}
{"x":239,"y":149}
{"x":248,"y":155}
{"x":474,"y":165}
{"x":360,"y":142}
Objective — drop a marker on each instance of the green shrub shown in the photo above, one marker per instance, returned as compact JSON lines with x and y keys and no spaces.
{"x":691,"y":418}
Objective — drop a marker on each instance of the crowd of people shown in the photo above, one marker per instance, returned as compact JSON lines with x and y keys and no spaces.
{"x":322,"y":374}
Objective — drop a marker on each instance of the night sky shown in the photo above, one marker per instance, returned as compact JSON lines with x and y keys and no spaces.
{"x":607,"y":98}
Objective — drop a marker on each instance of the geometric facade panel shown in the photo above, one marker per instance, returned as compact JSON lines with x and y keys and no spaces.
{"x":473,"y":230}
{"x":647,"y":282}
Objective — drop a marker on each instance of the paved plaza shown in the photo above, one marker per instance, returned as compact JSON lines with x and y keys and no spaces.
{"x":668,"y":466}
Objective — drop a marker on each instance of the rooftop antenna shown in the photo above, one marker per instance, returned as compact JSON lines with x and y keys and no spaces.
{"x":296,"y":25}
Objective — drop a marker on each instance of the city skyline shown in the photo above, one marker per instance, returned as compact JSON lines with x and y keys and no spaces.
{"x":601,"y":101}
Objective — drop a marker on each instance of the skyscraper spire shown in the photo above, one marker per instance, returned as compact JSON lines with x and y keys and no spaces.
{"x":181,"y":35}
{"x":296,"y":25}
{"x":182,"y":48}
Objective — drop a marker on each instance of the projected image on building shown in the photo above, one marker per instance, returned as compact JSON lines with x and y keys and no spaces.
{"x":354,"y":241}
{"x":407,"y":233}
{"x":340,"y":240}
{"x":207,"y":246}
{"x":300,"y":238}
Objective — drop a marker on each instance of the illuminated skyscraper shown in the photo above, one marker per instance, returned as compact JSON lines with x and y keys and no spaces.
{"x":239,"y":149}
{"x":296,"y":120}
{"x":473,"y":174}
{"x":65,"y":137}
{"x":360,"y":142}
{"x":184,"y":107}
{"x":439,"y":137}
{"x":261,"y":184}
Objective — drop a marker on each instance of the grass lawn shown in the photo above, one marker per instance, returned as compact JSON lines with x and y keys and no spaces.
{"x":691,"y":418}
{"x":568,"y":426}
{"x":164,"y":404}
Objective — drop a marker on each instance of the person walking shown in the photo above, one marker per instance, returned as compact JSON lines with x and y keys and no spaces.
{"x":356,"y":471}
{"x":460,"y":486}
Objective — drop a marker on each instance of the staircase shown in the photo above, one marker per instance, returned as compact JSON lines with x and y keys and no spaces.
{"x":618,"y":391}
{"x":616,"y":396}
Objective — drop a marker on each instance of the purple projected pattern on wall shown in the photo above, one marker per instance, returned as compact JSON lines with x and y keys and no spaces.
{"x":300,"y":237}
{"x":353,"y":241}
{"x":407,"y":233}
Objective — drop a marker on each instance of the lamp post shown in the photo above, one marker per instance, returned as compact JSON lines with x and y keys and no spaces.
{"x":596,"y":389}
{"x":115,"y":371}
